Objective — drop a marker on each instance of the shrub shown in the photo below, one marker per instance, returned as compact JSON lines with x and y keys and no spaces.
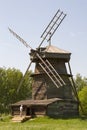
{"x":83,"y":99}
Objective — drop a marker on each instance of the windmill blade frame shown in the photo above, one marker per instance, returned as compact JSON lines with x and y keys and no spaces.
{"x":52,"y":26}
{"x":19,"y":38}
{"x":24,"y":77}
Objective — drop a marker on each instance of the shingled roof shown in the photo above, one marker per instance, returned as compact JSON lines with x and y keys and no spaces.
{"x":53,"y":49}
{"x":36,"y":102}
{"x":55,"y":52}
{"x":51,"y":52}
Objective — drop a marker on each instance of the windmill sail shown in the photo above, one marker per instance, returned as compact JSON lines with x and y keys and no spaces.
{"x":51,"y":72}
{"x":19,"y":38}
{"x":52,"y":26}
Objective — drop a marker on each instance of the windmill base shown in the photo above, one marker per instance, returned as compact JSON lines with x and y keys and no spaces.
{"x":49,"y":107}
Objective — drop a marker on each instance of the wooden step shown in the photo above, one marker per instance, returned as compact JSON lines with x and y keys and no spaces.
{"x":20,"y":119}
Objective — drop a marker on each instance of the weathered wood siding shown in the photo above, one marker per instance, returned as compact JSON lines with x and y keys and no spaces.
{"x":39,"y":110}
{"x":43,"y":87}
{"x":58,"y":64}
{"x":63,"y":108}
{"x":16,"y":110}
{"x":39,"y":90}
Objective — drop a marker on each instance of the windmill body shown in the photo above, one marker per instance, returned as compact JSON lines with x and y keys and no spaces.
{"x":43,"y":87}
{"x":53,"y":89}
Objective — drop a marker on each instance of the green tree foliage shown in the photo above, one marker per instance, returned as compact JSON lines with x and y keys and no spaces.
{"x":81,"y":86}
{"x":83,"y":99}
{"x":80,"y":82}
{"x":9,"y":82}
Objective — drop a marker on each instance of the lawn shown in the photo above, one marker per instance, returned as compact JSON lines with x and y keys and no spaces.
{"x":45,"y":123}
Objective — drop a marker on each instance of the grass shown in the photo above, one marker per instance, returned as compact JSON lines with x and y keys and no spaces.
{"x":44,"y":123}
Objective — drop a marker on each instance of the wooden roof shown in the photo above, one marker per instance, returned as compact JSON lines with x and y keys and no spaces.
{"x":36,"y":102}
{"x":53,"y":49}
{"x":51,"y":52}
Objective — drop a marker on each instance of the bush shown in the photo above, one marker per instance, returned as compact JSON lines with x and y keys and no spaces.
{"x":83,"y":99}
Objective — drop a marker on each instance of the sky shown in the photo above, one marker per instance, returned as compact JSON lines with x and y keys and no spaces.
{"x":29,"y":18}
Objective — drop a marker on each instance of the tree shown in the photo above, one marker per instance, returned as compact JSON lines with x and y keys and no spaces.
{"x":83,"y":99}
{"x":9,"y":82}
{"x":2,"y":88}
{"x":80,"y":82}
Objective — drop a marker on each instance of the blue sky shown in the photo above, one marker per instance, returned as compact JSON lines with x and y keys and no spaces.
{"x":29,"y":18}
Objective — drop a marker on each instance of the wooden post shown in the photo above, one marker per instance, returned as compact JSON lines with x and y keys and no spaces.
{"x":74,"y":88}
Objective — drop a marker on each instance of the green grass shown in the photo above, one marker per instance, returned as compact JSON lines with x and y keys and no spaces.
{"x":44,"y":123}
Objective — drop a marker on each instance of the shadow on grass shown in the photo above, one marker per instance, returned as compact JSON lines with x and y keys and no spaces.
{"x":67,"y":117}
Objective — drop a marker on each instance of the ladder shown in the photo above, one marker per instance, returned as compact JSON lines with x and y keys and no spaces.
{"x":52,"y":26}
{"x":51,"y":72}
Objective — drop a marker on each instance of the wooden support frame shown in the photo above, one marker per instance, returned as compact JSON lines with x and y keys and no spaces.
{"x":74,"y":88}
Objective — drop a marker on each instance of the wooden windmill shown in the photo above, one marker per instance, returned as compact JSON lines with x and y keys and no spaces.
{"x":53,"y":93}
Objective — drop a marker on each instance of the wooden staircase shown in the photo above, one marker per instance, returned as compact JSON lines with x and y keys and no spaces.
{"x":20,"y":119}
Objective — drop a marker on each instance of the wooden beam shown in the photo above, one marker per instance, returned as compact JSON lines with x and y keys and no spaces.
{"x":74,"y":88}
